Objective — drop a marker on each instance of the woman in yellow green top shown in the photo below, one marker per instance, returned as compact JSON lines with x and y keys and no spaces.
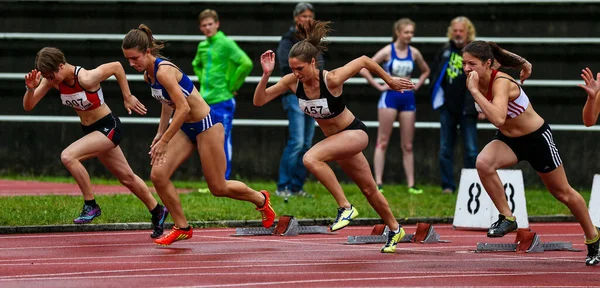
{"x":221,"y":67}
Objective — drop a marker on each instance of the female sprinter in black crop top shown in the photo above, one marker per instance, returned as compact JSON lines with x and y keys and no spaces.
{"x":319,"y":94}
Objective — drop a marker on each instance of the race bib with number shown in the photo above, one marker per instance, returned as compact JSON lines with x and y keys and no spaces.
{"x":402,"y":68}
{"x":77,"y":100}
{"x":316,"y":108}
{"x":157,"y":94}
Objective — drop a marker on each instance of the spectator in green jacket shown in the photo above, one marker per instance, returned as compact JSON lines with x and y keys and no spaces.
{"x":221,"y":67}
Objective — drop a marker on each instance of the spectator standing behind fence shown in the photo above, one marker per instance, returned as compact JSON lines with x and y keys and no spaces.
{"x":398,"y":59}
{"x":301,"y":129}
{"x":221,"y":67}
{"x":449,"y":93}
{"x":80,"y":89}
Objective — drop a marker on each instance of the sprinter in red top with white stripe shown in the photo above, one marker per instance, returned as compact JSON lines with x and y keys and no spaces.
{"x":522,"y":135}
{"x":80,"y":89}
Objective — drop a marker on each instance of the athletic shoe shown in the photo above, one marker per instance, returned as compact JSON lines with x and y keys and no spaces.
{"x":300,"y":193}
{"x":502,"y":227}
{"x":88,"y":213}
{"x":282,"y":193}
{"x":593,"y":256}
{"x":380,"y":188}
{"x":175,"y":235}
{"x":268,"y":214}
{"x":415,"y":190}
{"x":344,"y":217}
{"x":393,"y":239}
{"x":158,"y":222}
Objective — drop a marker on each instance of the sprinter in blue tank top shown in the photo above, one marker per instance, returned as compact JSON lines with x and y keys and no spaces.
{"x":320,"y":96}
{"x":192,"y":126}
{"x":398,"y":59}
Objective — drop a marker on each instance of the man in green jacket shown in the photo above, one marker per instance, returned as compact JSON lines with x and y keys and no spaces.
{"x":221,"y":67}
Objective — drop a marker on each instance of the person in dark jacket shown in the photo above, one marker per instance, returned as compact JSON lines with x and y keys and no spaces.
{"x":450,"y":95}
{"x":292,"y":173}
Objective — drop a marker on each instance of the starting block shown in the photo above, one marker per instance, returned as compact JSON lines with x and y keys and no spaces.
{"x":526,"y":241}
{"x":425,"y":234}
{"x":287,"y":225}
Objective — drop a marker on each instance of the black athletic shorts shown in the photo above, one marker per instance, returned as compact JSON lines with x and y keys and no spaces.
{"x":109,"y":125}
{"x":537,"y":148}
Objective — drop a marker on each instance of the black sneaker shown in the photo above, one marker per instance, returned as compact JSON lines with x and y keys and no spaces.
{"x":593,"y":256}
{"x":502,"y":227}
{"x":158,"y":221}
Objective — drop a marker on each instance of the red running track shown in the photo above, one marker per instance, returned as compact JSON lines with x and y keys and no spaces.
{"x":212,"y":258}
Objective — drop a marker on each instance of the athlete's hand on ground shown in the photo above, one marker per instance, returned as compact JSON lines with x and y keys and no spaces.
{"x":473,"y":81}
{"x":592,"y":86}
{"x":267,"y":61}
{"x":158,"y":153}
{"x":525,"y":72}
{"x":33,"y":79}
{"x":400,"y":84}
{"x":132,"y":103}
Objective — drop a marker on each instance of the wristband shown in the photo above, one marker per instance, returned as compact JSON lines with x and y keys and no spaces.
{"x":29,"y":89}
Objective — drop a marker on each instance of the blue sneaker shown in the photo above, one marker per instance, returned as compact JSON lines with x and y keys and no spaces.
{"x":158,"y":222}
{"x":88,"y":213}
{"x":344,"y":217}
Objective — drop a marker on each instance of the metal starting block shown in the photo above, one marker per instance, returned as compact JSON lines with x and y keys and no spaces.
{"x":526,"y":241}
{"x":425,"y":234}
{"x":287,"y":225}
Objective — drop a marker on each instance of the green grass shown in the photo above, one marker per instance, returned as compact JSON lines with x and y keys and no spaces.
{"x":54,"y":209}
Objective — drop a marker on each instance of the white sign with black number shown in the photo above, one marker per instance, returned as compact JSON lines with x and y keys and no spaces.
{"x":474,"y":208}
{"x":595,"y":201}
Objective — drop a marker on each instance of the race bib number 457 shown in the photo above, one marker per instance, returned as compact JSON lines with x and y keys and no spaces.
{"x":316,"y":108}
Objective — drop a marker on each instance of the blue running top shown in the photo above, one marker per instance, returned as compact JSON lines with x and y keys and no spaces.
{"x":160,"y":93}
{"x":399,"y":67}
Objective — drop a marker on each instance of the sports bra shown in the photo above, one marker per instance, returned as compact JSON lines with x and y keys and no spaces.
{"x":78,"y":98}
{"x":516,"y":106}
{"x":326,"y":106}
{"x":160,"y":93}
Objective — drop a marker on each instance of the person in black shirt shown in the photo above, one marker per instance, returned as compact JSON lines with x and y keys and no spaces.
{"x":450,"y":95}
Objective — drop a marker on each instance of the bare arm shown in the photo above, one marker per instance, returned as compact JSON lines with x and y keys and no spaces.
{"x":495,"y":111}
{"x":337,"y":77}
{"x":168,"y":78}
{"x":380,"y":57}
{"x":92,"y":79}
{"x":262,"y":94}
{"x":423,"y":67}
{"x":591,"y":109}
{"x":526,"y":67}
{"x":36,"y":89}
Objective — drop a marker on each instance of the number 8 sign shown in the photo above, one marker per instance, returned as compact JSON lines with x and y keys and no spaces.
{"x":475,"y":209}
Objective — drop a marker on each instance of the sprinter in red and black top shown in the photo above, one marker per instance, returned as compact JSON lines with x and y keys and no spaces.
{"x":80,"y":89}
{"x":522,"y":135}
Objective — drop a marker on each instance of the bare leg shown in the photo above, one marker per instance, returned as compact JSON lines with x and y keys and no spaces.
{"x":557,"y":183}
{"x":329,"y":149}
{"x":89,"y":146}
{"x":386,"y":123}
{"x":495,"y":155}
{"x":178,"y":150}
{"x":407,"y":134}
{"x":114,"y":160}
{"x":357,"y":167}
{"x":210,"y":147}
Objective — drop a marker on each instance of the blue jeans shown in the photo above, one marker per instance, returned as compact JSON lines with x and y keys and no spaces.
{"x":468,"y":130}
{"x":292,"y":173}
{"x":226,"y":109}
